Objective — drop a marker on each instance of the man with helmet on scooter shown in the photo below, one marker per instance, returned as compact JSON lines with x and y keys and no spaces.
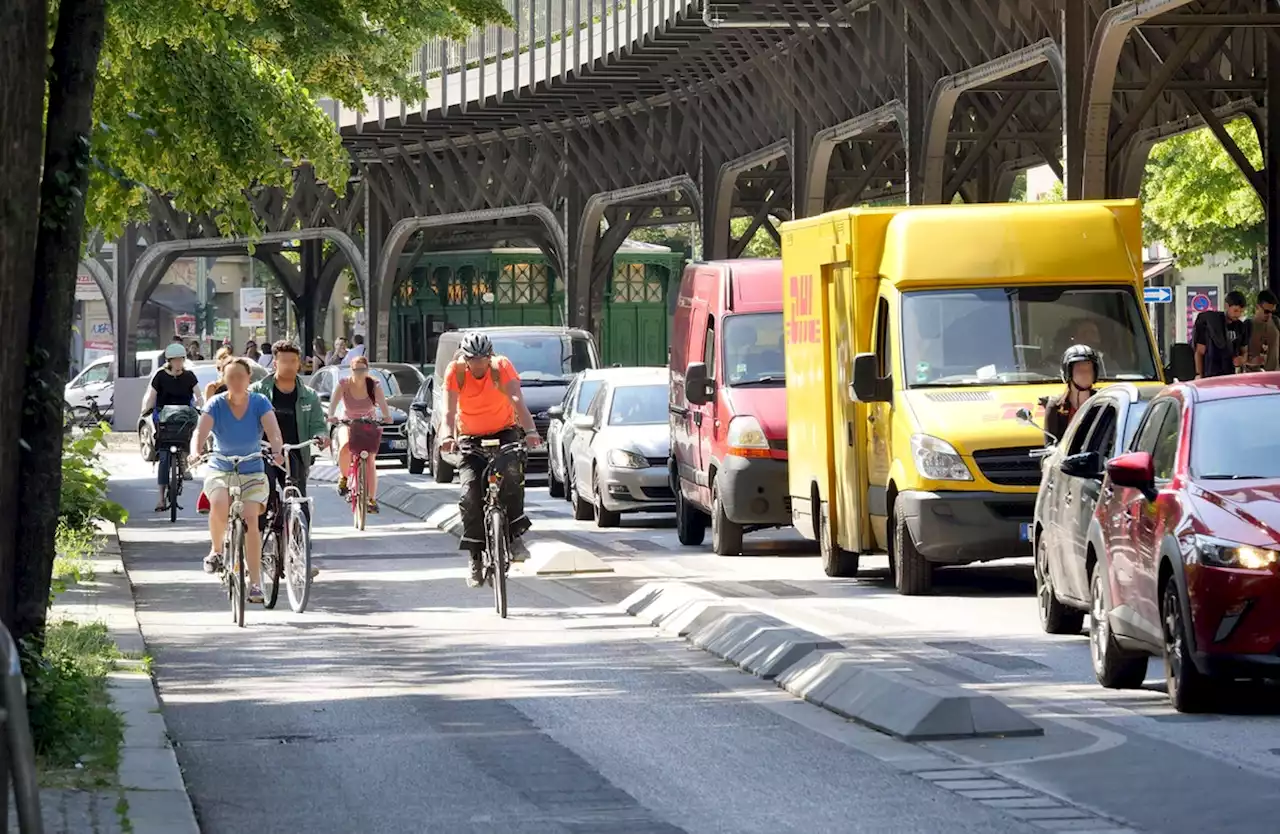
{"x":484,"y":402}
{"x":1080,"y":373}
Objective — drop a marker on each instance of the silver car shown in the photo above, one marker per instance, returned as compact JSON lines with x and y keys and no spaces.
{"x":560,"y":429}
{"x":618,"y":455}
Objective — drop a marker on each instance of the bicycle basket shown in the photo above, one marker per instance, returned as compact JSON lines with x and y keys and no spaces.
{"x":176,"y":424}
{"x":364,"y":437}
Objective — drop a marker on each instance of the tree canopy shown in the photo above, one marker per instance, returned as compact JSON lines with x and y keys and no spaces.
{"x":205,"y":100}
{"x":1197,"y":202}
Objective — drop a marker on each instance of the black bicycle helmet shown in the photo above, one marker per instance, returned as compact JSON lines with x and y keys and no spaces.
{"x":1076,"y":354}
{"x":476,"y":344}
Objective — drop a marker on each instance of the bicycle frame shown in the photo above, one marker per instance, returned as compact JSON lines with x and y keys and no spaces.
{"x":357,"y":472}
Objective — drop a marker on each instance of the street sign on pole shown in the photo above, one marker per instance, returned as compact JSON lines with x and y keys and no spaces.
{"x":1157,"y":295}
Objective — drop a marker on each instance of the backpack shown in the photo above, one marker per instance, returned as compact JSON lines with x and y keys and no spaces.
{"x":460,"y":371}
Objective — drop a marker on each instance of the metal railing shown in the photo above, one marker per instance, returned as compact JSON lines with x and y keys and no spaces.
{"x":548,"y":39}
{"x":17,"y":753}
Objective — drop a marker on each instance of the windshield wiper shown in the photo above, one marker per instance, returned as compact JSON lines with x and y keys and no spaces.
{"x":1223,"y":476}
{"x":760,"y":380}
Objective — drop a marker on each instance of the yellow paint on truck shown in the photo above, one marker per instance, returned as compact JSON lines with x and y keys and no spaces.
{"x":949,"y":319}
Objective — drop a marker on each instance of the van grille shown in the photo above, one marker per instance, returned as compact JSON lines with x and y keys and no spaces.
{"x":959,"y":396}
{"x":1009,"y":467}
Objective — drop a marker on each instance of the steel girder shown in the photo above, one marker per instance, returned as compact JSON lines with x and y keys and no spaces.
{"x":786,"y":108}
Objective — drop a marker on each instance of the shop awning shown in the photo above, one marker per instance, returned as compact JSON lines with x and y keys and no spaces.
{"x":178,"y":299}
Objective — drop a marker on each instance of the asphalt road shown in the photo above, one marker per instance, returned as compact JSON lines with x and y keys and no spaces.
{"x":399,"y":702}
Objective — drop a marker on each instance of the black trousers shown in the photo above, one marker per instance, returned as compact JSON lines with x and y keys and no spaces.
{"x":471,"y":504}
{"x":300,"y":466}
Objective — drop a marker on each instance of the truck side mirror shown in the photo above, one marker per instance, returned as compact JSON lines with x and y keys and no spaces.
{"x":868,"y":386}
{"x":1182,"y":363}
{"x":699,"y":388}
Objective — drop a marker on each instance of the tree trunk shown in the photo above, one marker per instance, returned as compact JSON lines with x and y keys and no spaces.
{"x":23,"y":47}
{"x":72,"y":77}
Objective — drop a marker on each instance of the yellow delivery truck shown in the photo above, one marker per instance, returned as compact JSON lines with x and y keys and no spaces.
{"x":914,"y":335}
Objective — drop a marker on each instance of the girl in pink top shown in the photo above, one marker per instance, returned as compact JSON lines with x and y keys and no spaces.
{"x":361,"y":395}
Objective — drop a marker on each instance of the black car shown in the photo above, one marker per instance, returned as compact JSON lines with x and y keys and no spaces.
{"x":420,"y":432}
{"x":394,"y":443}
{"x":1069,"y":488}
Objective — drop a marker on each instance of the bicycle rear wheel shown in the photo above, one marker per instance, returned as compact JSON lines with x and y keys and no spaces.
{"x":297,"y":558}
{"x":271,"y":563}
{"x":499,"y":559}
{"x":175,"y":482}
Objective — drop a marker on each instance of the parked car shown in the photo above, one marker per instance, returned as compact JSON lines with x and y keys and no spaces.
{"x":547,"y":359}
{"x":419,"y":431}
{"x":408,"y":379}
{"x":97,"y":380}
{"x":617,"y":462}
{"x":1186,"y":542}
{"x":395,"y":445}
{"x":206,"y":371}
{"x":1069,"y":488}
{"x":560,"y":429}
{"x":728,"y":403}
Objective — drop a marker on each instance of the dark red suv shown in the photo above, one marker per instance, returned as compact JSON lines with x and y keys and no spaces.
{"x":1187,"y":542}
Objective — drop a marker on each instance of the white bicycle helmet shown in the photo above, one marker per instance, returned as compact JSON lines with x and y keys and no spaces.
{"x":175,"y":351}
{"x":476,"y":344}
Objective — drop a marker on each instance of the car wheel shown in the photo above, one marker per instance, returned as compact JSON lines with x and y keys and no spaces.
{"x":836,"y":561}
{"x":604,"y":517}
{"x":441,"y":470}
{"x":1114,"y":667}
{"x":1190,"y":690}
{"x":726,"y":536}
{"x":555,"y":486}
{"x":912,"y":573}
{"x":1055,"y":618}
{"x":691,"y":524}
{"x":147,"y":443}
{"x":582,"y":509}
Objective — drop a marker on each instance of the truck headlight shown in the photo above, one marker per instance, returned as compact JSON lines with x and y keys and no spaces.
{"x":746,"y":439}
{"x":624,"y":459}
{"x":938,"y":460}
{"x":1227,"y":554}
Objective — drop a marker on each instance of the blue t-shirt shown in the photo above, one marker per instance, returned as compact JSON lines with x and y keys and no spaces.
{"x":237,"y":437}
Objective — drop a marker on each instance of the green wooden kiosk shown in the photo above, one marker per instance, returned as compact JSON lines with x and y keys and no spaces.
{"x":481,"y":287}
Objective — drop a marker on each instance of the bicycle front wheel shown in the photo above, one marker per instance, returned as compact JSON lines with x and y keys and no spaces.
{"x":499,"y":559}
{"x":297,"y":558}
{"x":271,"y":563}
{"x":361,"y":506}
{"x":175,"y":481}
{"x":236,"y":570}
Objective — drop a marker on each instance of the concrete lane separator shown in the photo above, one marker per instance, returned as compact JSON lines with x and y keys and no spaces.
{"x":878,"y":692}
{"x":149,"y":775}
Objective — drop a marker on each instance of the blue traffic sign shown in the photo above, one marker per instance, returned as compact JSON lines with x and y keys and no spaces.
{"x":1157,"y":295}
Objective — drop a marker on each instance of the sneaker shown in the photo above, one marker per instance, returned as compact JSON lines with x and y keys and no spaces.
{"x":342,"y":485}
{"x":519,"y":551}
{"x":255,"y":593}
{"x":476,"y":577}
{"x":213,"y":562}
{"x":373,"y":505}
{"x":315,"y":571}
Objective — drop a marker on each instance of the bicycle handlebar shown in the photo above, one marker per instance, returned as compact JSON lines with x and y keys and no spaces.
{"x":346,"y":421}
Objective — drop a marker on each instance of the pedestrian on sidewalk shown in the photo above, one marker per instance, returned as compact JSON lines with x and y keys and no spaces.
{"x":1264,"y":341}
{"x":1221,"y":339}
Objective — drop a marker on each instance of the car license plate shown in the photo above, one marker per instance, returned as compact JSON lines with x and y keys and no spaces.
{"x":399,"y":444}
{"x":1024,"y":531}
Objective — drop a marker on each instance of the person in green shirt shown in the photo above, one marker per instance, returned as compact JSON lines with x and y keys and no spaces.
{"x":298,"y":410}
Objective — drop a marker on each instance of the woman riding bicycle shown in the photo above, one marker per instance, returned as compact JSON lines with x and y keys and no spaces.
{"x":360,"y":396}
{"x":237,"y":419}
{"x":172,"y":385}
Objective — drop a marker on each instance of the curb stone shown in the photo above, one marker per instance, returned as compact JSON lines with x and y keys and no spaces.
{"x":154,"y":798}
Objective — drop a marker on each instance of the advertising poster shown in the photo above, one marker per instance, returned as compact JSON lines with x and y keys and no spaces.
{"x":253,"y":307}
{"x":1199,"y":300}
{"x":221,"y":330}
{"x":185,"y":326}
{"x":87,"y":288}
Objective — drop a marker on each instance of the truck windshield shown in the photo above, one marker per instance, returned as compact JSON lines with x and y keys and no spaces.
{"x":753,"y":350}
{"x":1016,"y":335}
{"x":546,"y":358}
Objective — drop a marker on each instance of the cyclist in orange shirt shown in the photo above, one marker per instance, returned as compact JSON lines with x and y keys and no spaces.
{"x":484,"y":401}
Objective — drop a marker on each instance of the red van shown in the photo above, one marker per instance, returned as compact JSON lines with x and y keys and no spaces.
{"x":728,"y":403}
